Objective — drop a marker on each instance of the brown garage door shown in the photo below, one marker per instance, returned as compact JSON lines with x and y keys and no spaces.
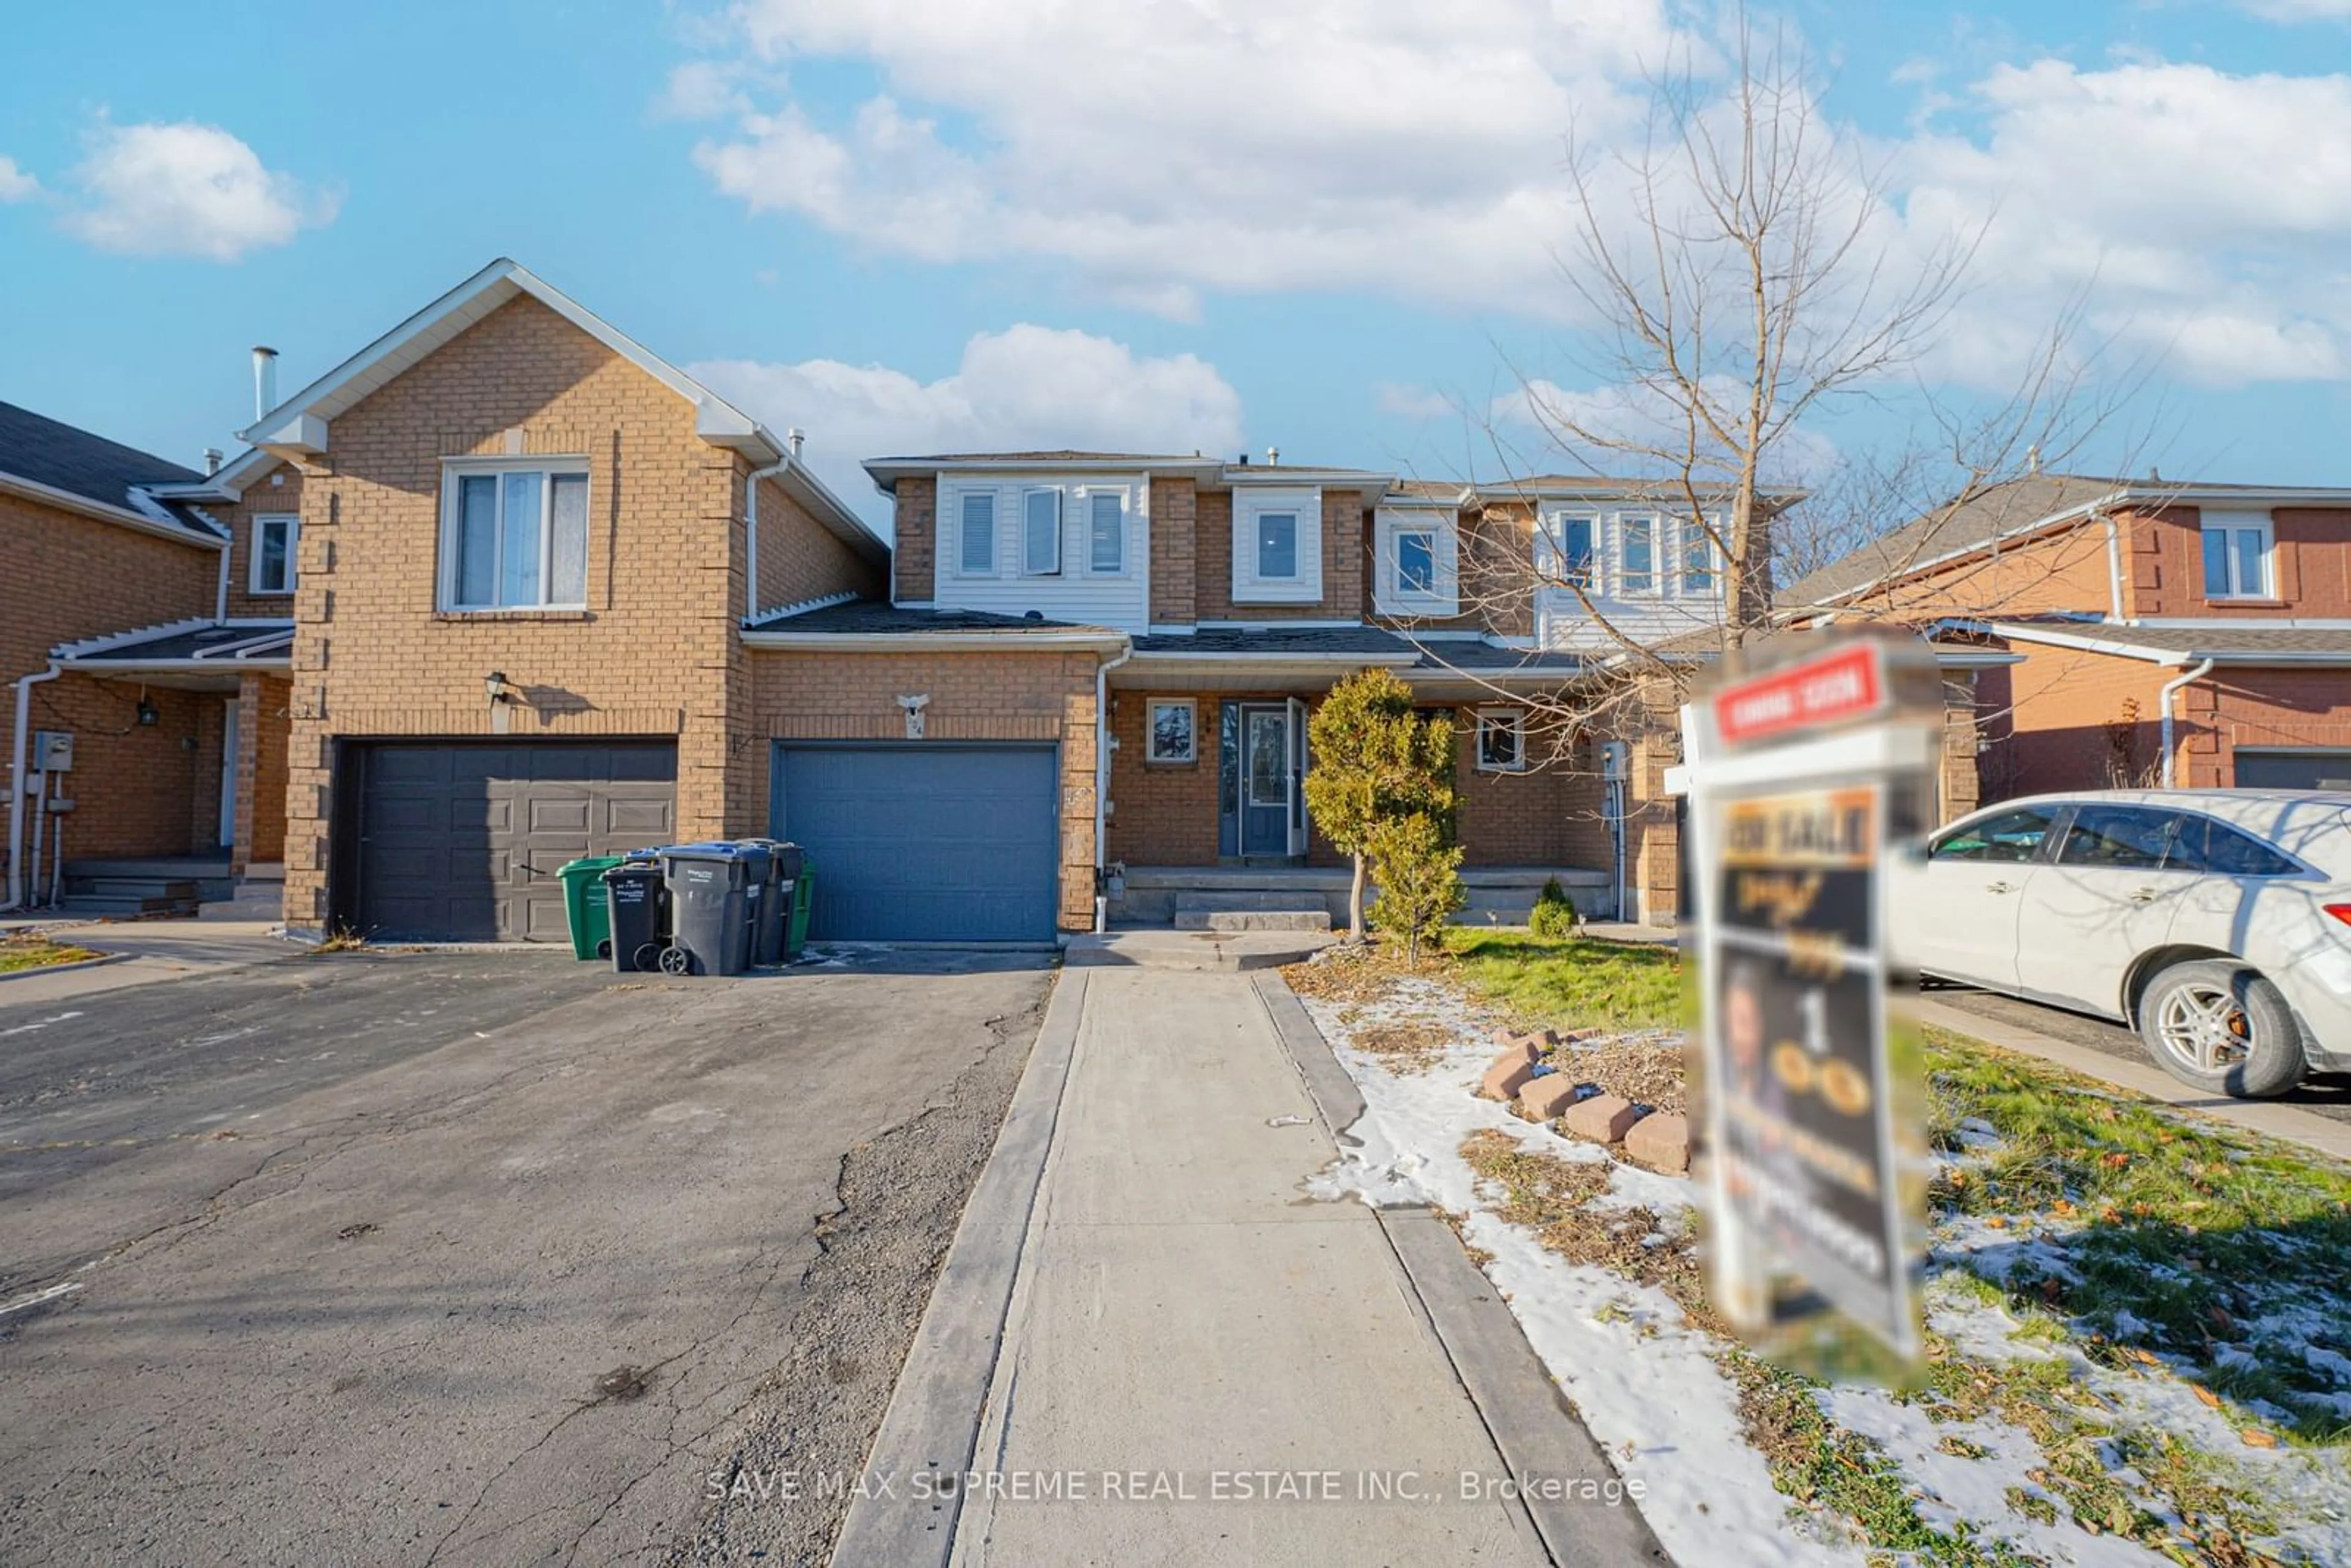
{"x":460,"y":840}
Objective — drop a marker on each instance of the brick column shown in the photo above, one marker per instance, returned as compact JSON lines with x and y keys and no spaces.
{"x":248,"y":769}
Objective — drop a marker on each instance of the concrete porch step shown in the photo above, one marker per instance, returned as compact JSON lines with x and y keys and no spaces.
{"x":132,"y":886}
{"x":124,"y":903}
{"x":1251,"y":911}
{"x":1252,"y":920}
{"x":1195,"y":950}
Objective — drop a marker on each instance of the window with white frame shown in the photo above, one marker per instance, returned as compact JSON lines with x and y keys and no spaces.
{"x":275,"y":537}
{"x":1564,"y":550}
{"x":2237,"y":552}
{"x":1105,"y":531}
{"x":514,"y":534}
{"x":1501,"y":740}
{"x":1277,"y":546}
{"x":1174,"y":734}
{"x":1416,"y":565}
{"x":976,"y":534}
{"x":1040,"y":533}
{"x":1636,"y":553}
{"x":1701,"y":577}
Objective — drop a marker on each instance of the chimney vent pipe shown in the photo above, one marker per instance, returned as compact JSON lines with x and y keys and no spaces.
{"x":264,"y":380}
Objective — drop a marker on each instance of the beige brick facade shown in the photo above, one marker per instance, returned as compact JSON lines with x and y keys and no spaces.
{"x":654,"y":654}
{"x":277,"y":493}
{"x":914,"y":542}
{"x":1029,"y":697}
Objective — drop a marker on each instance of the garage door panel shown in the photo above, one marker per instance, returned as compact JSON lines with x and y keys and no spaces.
{"x":925,"y":842}
{"x":2307,"y":769}
{"x":462,"y":841}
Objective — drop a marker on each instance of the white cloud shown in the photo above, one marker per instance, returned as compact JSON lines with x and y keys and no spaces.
{"x":711,"y":89}
{"x":1160,"y":150}
{"x":16,"y":184}
{"x":2204,"y":214}
{"x":1401,"y":399}
{"x":186,"y":188}
{"x":2301,"y":10}
{"x":1027,"y":387}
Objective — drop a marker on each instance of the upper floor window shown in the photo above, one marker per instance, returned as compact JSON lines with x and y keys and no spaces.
{"x":2237,"y":555}
{"x":1105,"y":531}
{"x":1040,"y":533}
{"x":274,"y":538}
{"x":1047,"y":528}
{"x":975,"y":551}
{"x":1416,"y":566}
{"x":515,"y":535}
{"x":1636,"y":554}
{"x":1564,"y":551}
{"x":1277,"y":546}
{"x":1699,"y":575}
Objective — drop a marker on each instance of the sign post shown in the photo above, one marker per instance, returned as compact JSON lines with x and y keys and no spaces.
{"x":1803,"y":769}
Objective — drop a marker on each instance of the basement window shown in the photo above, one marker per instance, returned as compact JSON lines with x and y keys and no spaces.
{"x":514,"y":536}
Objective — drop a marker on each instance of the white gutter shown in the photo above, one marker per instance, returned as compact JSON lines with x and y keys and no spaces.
{"x":751,"y":527}
{"x":67,"y":501}
{"x":1101,"y":780}
{"x":934,"y":641}
{"x":24,"y":685}
{"x":117,"y":669}
{"x":220,"y":598}
{"x":2163,"y":702}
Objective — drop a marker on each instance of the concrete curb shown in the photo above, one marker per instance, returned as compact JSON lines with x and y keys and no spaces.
{"x":2322,"y":1134}
{"x":933,"y":1418}
{"x":1533,"y":1426}
{"x":40,"y":970}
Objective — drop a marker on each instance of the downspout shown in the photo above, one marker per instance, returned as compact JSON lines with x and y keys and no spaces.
{"x":1101,"y":780}
{"x":24,"y":685}
{"x":2163,"y":702}
{"x":220,"y":600}
{"x":751,"y":525}
{"x":2114,"y":568}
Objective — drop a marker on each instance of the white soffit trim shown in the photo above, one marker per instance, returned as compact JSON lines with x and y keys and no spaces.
{"x":160,"y":523}
{"x":932,"y":641}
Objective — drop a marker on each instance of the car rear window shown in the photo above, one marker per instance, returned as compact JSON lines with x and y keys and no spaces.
{"x":2219,"y":849}
{"x":2009,"y":836}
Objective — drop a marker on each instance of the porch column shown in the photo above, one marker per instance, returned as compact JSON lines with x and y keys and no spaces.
{"x":249,"y":710}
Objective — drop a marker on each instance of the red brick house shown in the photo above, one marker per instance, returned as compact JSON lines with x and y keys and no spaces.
{"x":2162,"y":634}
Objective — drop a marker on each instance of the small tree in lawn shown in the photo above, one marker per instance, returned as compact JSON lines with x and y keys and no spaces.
{"x":1375,"y":761}
{"x":1420,"y":878}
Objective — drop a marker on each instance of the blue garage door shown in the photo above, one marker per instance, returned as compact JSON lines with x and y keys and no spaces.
{"x":923,"y":841}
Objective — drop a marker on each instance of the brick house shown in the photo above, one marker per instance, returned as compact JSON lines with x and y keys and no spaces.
{"x":129,"y":625}
{"x":505,"y":588}
{"x":2155,"y":632}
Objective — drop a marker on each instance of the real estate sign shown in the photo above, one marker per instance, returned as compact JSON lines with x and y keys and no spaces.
{"x":1802,"y":772}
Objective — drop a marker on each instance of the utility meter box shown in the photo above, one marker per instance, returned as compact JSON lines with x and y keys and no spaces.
{"x":53,"y":751}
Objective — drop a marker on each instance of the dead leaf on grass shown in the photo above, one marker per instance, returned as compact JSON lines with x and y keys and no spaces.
{"x":2256,"y":1438}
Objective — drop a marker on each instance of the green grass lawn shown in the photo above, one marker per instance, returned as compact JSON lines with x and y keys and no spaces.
{"x":1576,"y":983}
{"x":2225,"y":1252}
{"x":28,"y":950}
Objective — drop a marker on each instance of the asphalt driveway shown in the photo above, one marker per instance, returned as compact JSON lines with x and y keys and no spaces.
{"x":473,"y":1258}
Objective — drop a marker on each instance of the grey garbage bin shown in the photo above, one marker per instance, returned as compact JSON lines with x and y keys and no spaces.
{"x":713,"y":890}
{"x":640,"y":914}
{"x":769,"y":939}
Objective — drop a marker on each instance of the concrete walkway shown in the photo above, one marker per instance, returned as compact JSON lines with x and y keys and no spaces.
{"x":1198,"y":1363}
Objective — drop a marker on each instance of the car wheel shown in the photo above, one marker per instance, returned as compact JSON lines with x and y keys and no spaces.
{"x":2216,"y":1024}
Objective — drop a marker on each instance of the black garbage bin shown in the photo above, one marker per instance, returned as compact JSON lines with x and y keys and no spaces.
{"x":768,"y":943}
{"x":711,"y":899}
{"x":639,"y":899}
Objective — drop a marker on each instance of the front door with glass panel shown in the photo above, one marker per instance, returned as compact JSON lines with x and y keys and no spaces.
{"x":1265,"y":804}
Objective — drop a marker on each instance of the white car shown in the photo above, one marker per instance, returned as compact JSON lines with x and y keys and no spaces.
{"x":2215,"y":922}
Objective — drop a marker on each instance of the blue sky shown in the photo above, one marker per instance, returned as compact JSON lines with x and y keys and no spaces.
{"x":1322,"y":227}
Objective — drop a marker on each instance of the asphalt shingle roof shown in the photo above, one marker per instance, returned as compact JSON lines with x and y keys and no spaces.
{"x":48,"y":452}
{"x":2001,"y":510}
{"x":868,"y":617}
{"x":2253,"y":638}
{"x":227,"y":643}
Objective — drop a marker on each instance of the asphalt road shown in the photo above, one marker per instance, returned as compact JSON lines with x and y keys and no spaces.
{"x":2328,"y":1096}
{"x":487,"y":1258}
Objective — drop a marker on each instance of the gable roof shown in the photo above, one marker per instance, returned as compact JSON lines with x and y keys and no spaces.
{"x":2017,"y":507}
{"x":2249,"y":643}
{"x":299,"y":426}
{"x":64,"y":465}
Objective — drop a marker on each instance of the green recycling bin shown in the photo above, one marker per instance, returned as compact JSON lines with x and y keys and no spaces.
{"x":587,"y":907}
{"x":803,"y":891}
